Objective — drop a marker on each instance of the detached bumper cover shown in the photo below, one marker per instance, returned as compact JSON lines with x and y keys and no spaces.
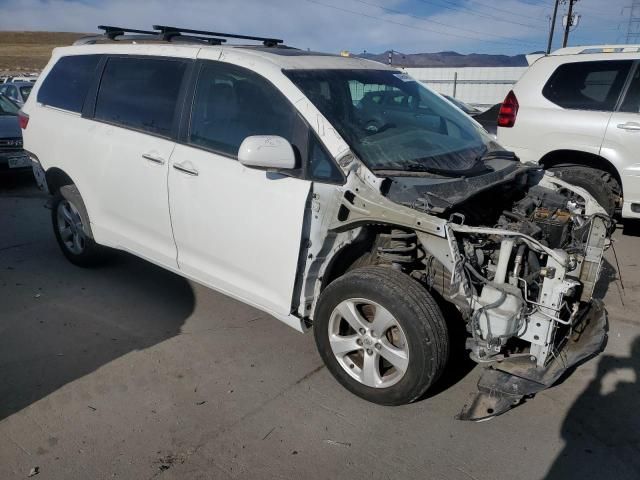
{"x":505,"y":384}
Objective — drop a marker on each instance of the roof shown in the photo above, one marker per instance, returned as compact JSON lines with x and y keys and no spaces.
{"x":283,"y":57}
{"x":595,"y":49}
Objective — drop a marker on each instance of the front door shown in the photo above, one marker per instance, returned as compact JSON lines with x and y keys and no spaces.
{"x":237,"y":229}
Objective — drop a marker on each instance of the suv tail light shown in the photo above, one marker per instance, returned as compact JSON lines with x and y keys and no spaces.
{"x":23,"y":120}
{"x":508,"y":111}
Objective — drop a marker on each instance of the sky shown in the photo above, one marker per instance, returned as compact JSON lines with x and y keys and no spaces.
{"x":408,"y":26}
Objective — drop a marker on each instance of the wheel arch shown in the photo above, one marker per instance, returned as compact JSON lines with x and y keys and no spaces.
{"x":56,"y":179}
{"x":569,"y":158}
{"x":347,"y":256}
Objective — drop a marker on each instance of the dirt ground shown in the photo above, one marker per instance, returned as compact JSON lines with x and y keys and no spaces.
{"x":30,"y":51}
{"x":129,"y":371}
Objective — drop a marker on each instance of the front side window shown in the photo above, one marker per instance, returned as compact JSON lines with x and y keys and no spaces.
{"x":231,"y":104}
{"x":587,"y":85}
{"x":321,"y":167}
{"x":68,"y":82}
{"x":140,"y":93}
{"x":392,"y":122}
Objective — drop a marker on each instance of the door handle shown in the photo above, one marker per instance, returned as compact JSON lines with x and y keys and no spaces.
{"x":153,"y":158}
{"x":189,"y":171}
{"x":635,"y":126}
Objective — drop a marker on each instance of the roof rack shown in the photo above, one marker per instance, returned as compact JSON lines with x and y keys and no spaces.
{"x":173,"y":31}
{"x":169,"y":34}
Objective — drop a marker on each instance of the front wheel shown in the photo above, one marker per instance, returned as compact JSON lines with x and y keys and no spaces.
{"x":599,"y":184}
{"x":381,"y":334}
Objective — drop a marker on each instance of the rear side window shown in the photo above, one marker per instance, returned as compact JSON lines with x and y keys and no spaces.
{"x":140,"y":93}
{"x":631,"y":103}
{"x":25,"y":92}
{"x":587,"y":85}
{"x":67,"y":83}
{"x":232,"y":103}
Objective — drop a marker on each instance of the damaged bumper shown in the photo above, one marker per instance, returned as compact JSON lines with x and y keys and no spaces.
{"x":505,"y":384}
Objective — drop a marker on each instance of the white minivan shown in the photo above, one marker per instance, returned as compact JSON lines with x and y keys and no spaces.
{"x":272,"y":175}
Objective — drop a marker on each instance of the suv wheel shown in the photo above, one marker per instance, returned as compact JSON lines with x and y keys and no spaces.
{"x":381,"y":335}
{"x":601,"y":185}
{"x":70,"y":226}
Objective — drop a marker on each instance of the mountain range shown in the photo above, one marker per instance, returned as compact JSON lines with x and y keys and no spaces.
{"x":448,"y":59}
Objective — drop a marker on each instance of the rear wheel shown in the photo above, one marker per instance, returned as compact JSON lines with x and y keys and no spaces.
{"x":600,"y":184}
{"x":71,"y":227}
{"x":381,"y":335}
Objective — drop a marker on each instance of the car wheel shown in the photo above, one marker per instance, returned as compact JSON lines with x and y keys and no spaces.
{"x":70,"y":226}
{"x":381,"y":334}
{"x":601,"y":185}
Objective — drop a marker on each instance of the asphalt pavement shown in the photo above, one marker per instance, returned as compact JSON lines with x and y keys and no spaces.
{"x":129,"y":371}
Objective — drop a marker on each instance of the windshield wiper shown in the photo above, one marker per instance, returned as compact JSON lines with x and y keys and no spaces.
{"x":415,"y":168}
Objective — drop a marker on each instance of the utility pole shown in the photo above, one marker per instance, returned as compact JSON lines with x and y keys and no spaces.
{"x":553,"y":25}
{"x":569,"y":24}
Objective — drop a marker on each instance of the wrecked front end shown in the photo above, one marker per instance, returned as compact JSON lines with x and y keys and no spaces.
{"x":525,"y":255}
{"x":516,"y":250}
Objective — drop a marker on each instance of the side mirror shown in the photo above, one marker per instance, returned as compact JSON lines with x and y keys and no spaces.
{"x":267,"y":151}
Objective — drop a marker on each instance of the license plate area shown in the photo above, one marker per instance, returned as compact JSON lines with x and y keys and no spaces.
{"x":19,"y":161}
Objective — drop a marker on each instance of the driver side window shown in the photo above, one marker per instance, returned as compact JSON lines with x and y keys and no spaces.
{"x":232,"y":103}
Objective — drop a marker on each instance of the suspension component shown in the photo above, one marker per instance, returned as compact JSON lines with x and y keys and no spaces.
{"x":401,"y":248}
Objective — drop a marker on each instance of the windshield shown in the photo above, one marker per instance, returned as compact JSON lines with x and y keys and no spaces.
{"x":392,"y":122}
{"x":7,"y":107}
{"x":25,"y":91}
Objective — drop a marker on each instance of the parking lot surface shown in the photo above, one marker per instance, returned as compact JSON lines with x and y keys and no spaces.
{"x":129,"y":371}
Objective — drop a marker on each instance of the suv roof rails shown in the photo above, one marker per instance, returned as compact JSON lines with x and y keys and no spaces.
{"x":173,"y":31}
{"x":169,"y":34}
{"x":592,"y":49}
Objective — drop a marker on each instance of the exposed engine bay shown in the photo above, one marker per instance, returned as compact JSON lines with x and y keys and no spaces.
{"x":517,"y":251}
{"x":528,"y":277}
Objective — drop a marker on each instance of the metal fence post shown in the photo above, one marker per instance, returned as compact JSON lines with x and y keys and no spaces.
{"x":455,"y":83}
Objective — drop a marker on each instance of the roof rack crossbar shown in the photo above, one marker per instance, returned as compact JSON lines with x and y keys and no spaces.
{"x":174,"y":31}
{"x":112,"y":32}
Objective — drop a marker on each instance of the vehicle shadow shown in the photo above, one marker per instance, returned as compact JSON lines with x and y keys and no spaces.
{"x":59,"y":322}
{"x":17,"y":182}
{"x":609,"y":277}
{"x":602,"y":429}
{"x":631,"y":228}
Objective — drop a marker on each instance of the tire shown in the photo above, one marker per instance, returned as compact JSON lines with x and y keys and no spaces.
{"x":412,"y":332}
{"x":600,"y":184}
{"x":71,"y":228}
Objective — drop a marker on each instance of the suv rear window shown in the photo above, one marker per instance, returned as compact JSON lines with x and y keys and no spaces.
{"x":67,"y":83}
{"x":587,"y":85}
{"x":140,"y":93}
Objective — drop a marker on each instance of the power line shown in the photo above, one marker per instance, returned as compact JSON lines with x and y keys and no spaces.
{"x":633,"y":29}
{"x":425,"y":19}
{"x":462,"y":8}
{"x":493,"y":7}
{"x":361,"y":14}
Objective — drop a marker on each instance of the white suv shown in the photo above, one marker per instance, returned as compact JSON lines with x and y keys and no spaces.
{"x":269,"y":173}
{"x":577,"y":113}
